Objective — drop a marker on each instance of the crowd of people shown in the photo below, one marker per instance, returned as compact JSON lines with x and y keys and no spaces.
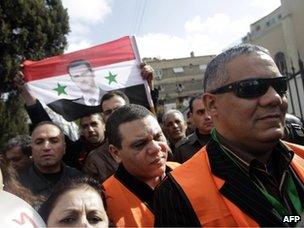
{"x":241,"y":164}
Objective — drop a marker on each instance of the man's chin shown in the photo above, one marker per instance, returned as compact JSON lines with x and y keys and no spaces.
{"x":93,"y":140}
{"x":272,"y":135}
{"x":48,"y":164}
{"x":178,"y":137}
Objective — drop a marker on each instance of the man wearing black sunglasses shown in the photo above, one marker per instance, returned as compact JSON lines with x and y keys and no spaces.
{"x":245,"y":176}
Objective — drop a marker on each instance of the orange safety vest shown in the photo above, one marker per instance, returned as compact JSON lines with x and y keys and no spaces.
{"x":124,"y":208}
{"x":200,"y":186}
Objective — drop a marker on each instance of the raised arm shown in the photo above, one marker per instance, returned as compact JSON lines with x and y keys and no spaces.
{"x":33,"y":106}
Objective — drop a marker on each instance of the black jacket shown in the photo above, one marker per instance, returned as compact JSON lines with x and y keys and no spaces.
{"x":187,"y":147}
{"x":40,"y":185}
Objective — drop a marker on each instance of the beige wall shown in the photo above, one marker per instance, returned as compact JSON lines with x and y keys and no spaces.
{"x":285,"y":35}
{"x":295,"y":9}
{"x":273,"y":40}
{"x":190,"y":78}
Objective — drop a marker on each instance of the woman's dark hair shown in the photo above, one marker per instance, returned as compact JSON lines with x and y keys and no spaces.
{"x":22,"y":141}
{"x":71,"y":184}
{"x":11,"y":182}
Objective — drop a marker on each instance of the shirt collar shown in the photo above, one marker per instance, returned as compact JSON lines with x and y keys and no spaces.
{"x":281,"y":153}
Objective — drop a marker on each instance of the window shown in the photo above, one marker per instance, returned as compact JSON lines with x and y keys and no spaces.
{"x":180,"y":88}
{"x":203,"y":67}
{"x":159,"y":74}
{"x":161,"y":98}
{"x":161,"y":88}
{"x":177,"y":70}
{"x":280,"y":60}
{"x":258,"y":27}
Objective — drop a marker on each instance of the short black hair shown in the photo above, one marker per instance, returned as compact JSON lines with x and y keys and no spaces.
{"x":79,"y":62}
{"x":191,"y":104}
{"x":124,"y":114}
{"x":216,"y":74}
{"x":70,"y":184}
{"x":114,"y":93}
{"x":97,"y":114}
{"x":198,"y":97}
{"x":49,"y":123}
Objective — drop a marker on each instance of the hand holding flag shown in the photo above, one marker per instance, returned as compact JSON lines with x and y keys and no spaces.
{"x":73,"y":84}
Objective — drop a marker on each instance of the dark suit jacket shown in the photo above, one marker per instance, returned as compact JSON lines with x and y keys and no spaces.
{"x":100,"y":163}
{"x":187,"y":147}
{"x":40,"y":185}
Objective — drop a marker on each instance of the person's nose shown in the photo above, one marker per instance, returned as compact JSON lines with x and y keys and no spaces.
{"x":83,"y":221}
{"x":207,"y":117}
{"x":154,"y":147}
{"x":271,"y":98}
{"x":90,"y":129}
{"x":46,"y":145}
{"x":175,"y":125}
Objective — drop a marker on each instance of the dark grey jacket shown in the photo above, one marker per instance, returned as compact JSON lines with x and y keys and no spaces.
{"x":40,"y":185}
{"x":187,"y":147}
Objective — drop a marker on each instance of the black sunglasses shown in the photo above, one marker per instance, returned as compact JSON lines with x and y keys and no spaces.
{"x":254,"y":87}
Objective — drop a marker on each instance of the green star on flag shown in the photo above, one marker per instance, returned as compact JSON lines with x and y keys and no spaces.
{"x":111,"y":77}
{"x":60,"y":89}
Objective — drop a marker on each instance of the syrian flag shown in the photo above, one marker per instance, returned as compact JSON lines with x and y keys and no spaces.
{"x":73,"y":84}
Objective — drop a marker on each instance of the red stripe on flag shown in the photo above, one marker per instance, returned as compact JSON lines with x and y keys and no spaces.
{"x":108,"y":53}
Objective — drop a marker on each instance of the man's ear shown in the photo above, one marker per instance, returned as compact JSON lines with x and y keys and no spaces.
{"x":210,"y":103}
{"x":115,"y":153}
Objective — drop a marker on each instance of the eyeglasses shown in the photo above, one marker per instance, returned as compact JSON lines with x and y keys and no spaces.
{"x":254,"y":87}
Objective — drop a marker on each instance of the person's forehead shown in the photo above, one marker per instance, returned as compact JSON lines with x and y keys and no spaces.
{"x":78,"y":68}
{"x":13,"y":151}
{"x":174,"y":117}
{"x":252,"y":66}
{"x":139,"y":127}
{"x":80,"y":196}
{"x":198,"y":104}
{"x":89,"y":119}
{"x":46,"y":130}
{"x":113,"y":101}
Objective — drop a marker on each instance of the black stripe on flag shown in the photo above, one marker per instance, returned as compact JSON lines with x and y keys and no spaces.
{"x":71,"y":110}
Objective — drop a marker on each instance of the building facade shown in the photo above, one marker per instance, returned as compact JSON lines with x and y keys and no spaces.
{"x":178,"y":79}
{"x":282,"y":33}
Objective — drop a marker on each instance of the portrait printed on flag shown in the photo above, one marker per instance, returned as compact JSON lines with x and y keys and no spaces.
{"x":83,"y":76}
{"x":73,"y":84}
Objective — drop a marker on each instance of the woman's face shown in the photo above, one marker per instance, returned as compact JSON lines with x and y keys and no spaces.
{"x":82,"y":207}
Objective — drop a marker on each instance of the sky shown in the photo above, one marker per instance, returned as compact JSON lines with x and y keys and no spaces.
{"x":165,"y":29}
